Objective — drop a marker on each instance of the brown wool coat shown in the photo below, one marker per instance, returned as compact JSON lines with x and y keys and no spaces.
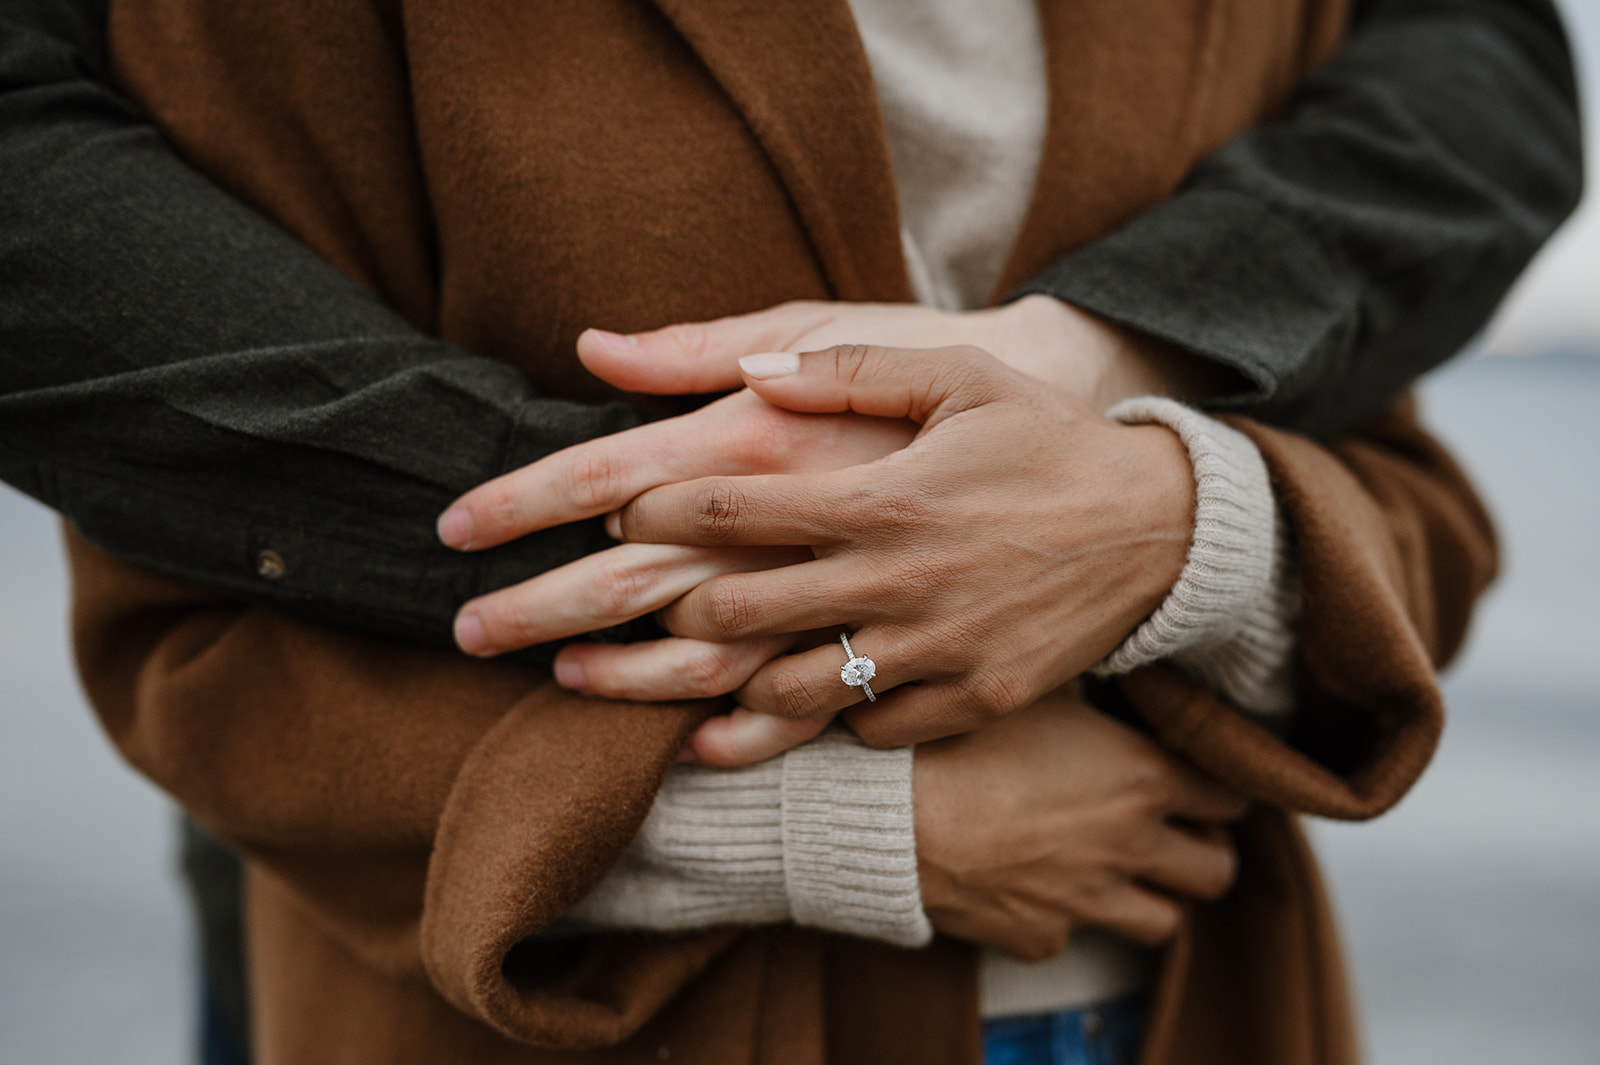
{"x":508,"y":173}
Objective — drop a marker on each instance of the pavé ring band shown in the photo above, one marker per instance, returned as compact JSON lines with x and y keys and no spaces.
{"x":858,"y":671}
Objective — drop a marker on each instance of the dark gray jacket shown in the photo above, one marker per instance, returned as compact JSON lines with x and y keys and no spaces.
{"x":193,"y":388}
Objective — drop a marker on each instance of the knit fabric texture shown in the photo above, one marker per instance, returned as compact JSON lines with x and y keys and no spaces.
{"x":823,"y":836}
{"x":1230,"y":619}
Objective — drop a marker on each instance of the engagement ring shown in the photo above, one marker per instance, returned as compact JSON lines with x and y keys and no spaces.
{"x":858,"y":671}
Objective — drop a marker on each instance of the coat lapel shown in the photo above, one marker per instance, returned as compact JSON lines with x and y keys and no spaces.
{"x":1129,"y":81}
{"x":797,"y":72}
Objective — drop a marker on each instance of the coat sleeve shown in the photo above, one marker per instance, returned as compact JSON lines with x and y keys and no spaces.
{"x":1331,"y":257}
{"x":193,"y":387}
{"x":427,"y":811}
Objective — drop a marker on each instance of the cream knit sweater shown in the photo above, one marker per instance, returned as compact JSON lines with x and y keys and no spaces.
{"x":823,"y":836}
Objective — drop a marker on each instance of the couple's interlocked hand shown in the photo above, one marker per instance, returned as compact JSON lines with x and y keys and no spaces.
{"x":944,"y":488}
{"x":984,"y":536}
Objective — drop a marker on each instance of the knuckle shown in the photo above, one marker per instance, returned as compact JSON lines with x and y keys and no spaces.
{"x":510,"y":623}
{"x":1164,"y":923}
{"x":1152,"y":784}
{"x":728,"y":608}
{"x":691,"y":338}
{"x":618,"y":591}
{"x":849,"y":360}
{"x":1042,"y":943}
{"x":922,"y":577}
{"x":719,"y":511}
{"x":709,"y":673}
{"x":991,"y":693}
{"x":500,"y":508}
{"x":792,"y":697}
{"x":593,"y":479}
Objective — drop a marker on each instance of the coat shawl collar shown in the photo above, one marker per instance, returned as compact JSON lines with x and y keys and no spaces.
{"x":797,"y":72}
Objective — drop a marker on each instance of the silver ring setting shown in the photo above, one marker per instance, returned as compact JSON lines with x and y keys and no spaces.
{"x":858,"y":671}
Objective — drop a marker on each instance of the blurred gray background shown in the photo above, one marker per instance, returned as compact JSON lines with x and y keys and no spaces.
{"x":1472,"y":912}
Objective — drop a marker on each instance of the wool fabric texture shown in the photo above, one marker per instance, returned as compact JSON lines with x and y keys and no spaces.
{"x":507,"y":174}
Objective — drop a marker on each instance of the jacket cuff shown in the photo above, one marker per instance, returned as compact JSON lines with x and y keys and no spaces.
{"x":1230,"y":619}
{"x":1225,"y":277}
{"x":849,"y":842}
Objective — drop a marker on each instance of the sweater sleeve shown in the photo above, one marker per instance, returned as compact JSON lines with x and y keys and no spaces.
{"x":822,"y":836}
{"x":1230,"y":620}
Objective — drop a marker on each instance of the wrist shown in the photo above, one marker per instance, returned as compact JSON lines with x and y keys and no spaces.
{"x":1101,"y":361}
{"x":1163,"y":497}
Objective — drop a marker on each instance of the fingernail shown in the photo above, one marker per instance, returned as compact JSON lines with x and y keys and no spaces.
{"x":471,"y":636}
{"x":614,"y":525}
{"x":769,"y":364}
{"x":686,"y":756}
{"x":570,"y":674}
{"x":616,"y":343}
{"x":455,"y":528}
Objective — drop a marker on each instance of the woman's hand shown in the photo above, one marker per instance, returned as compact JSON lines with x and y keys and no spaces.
{"x":1012,"y":545}
{"x":1053,"y":342}
{"x":1059,"y":817}
{"x":739,"y":434}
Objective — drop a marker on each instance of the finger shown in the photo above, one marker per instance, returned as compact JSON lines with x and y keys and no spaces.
{"x":1026,"y":932}
{"x":664,"y":670}
{"x":925,"y":712}
{"x":774,"y":509}
{"x":1130,"y":911}
{"x":744,"y":737}
{"x":1199,"y":798}
{"x":1200,"y":864}
{"x":598,"y":476}
{"x":596,"y":592}
{"x":693,"y":356}
{"x":922,"y":385}
{"x":810,"y":683}
{"x":743,"y":606}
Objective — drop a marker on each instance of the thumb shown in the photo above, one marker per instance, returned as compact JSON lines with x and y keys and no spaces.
{"x":691,"y":357}
{"x":923,"y":385}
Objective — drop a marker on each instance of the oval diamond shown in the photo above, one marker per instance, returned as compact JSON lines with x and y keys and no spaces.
{"x":858,"y":671}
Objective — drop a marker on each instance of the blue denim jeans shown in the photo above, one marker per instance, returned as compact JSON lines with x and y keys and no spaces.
{"x":1107,"y":1034}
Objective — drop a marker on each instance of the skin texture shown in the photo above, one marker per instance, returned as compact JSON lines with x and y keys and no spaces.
{"x":1058,"y":817}
{"x":1081,"y":355}
{"x":1012,"y":545}
{"x":1073,"y":808}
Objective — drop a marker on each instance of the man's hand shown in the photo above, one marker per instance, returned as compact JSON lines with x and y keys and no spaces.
{"x":1096,"y":360}
{"x":1013,"y":544}
{"x":1059,"y":817}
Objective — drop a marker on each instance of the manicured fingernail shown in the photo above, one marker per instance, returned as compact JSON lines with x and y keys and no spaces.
{"x":471,"y":636}
{"x":455,"y":528}
{"x":616,"y":343}
{"x":769,"y":364}
{"x":614,"y":525}
{"x":686,"y":756}
{"x":570,"y":674}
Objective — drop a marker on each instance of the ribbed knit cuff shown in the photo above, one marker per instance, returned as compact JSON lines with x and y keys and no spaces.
{"x":849,"y":840}
{"x":710,"y":853}
{"x":1230,"y":619}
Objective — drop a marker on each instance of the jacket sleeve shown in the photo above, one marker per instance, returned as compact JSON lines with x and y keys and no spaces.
{"x":195,"y":389}
{"x":1333,"y":256}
